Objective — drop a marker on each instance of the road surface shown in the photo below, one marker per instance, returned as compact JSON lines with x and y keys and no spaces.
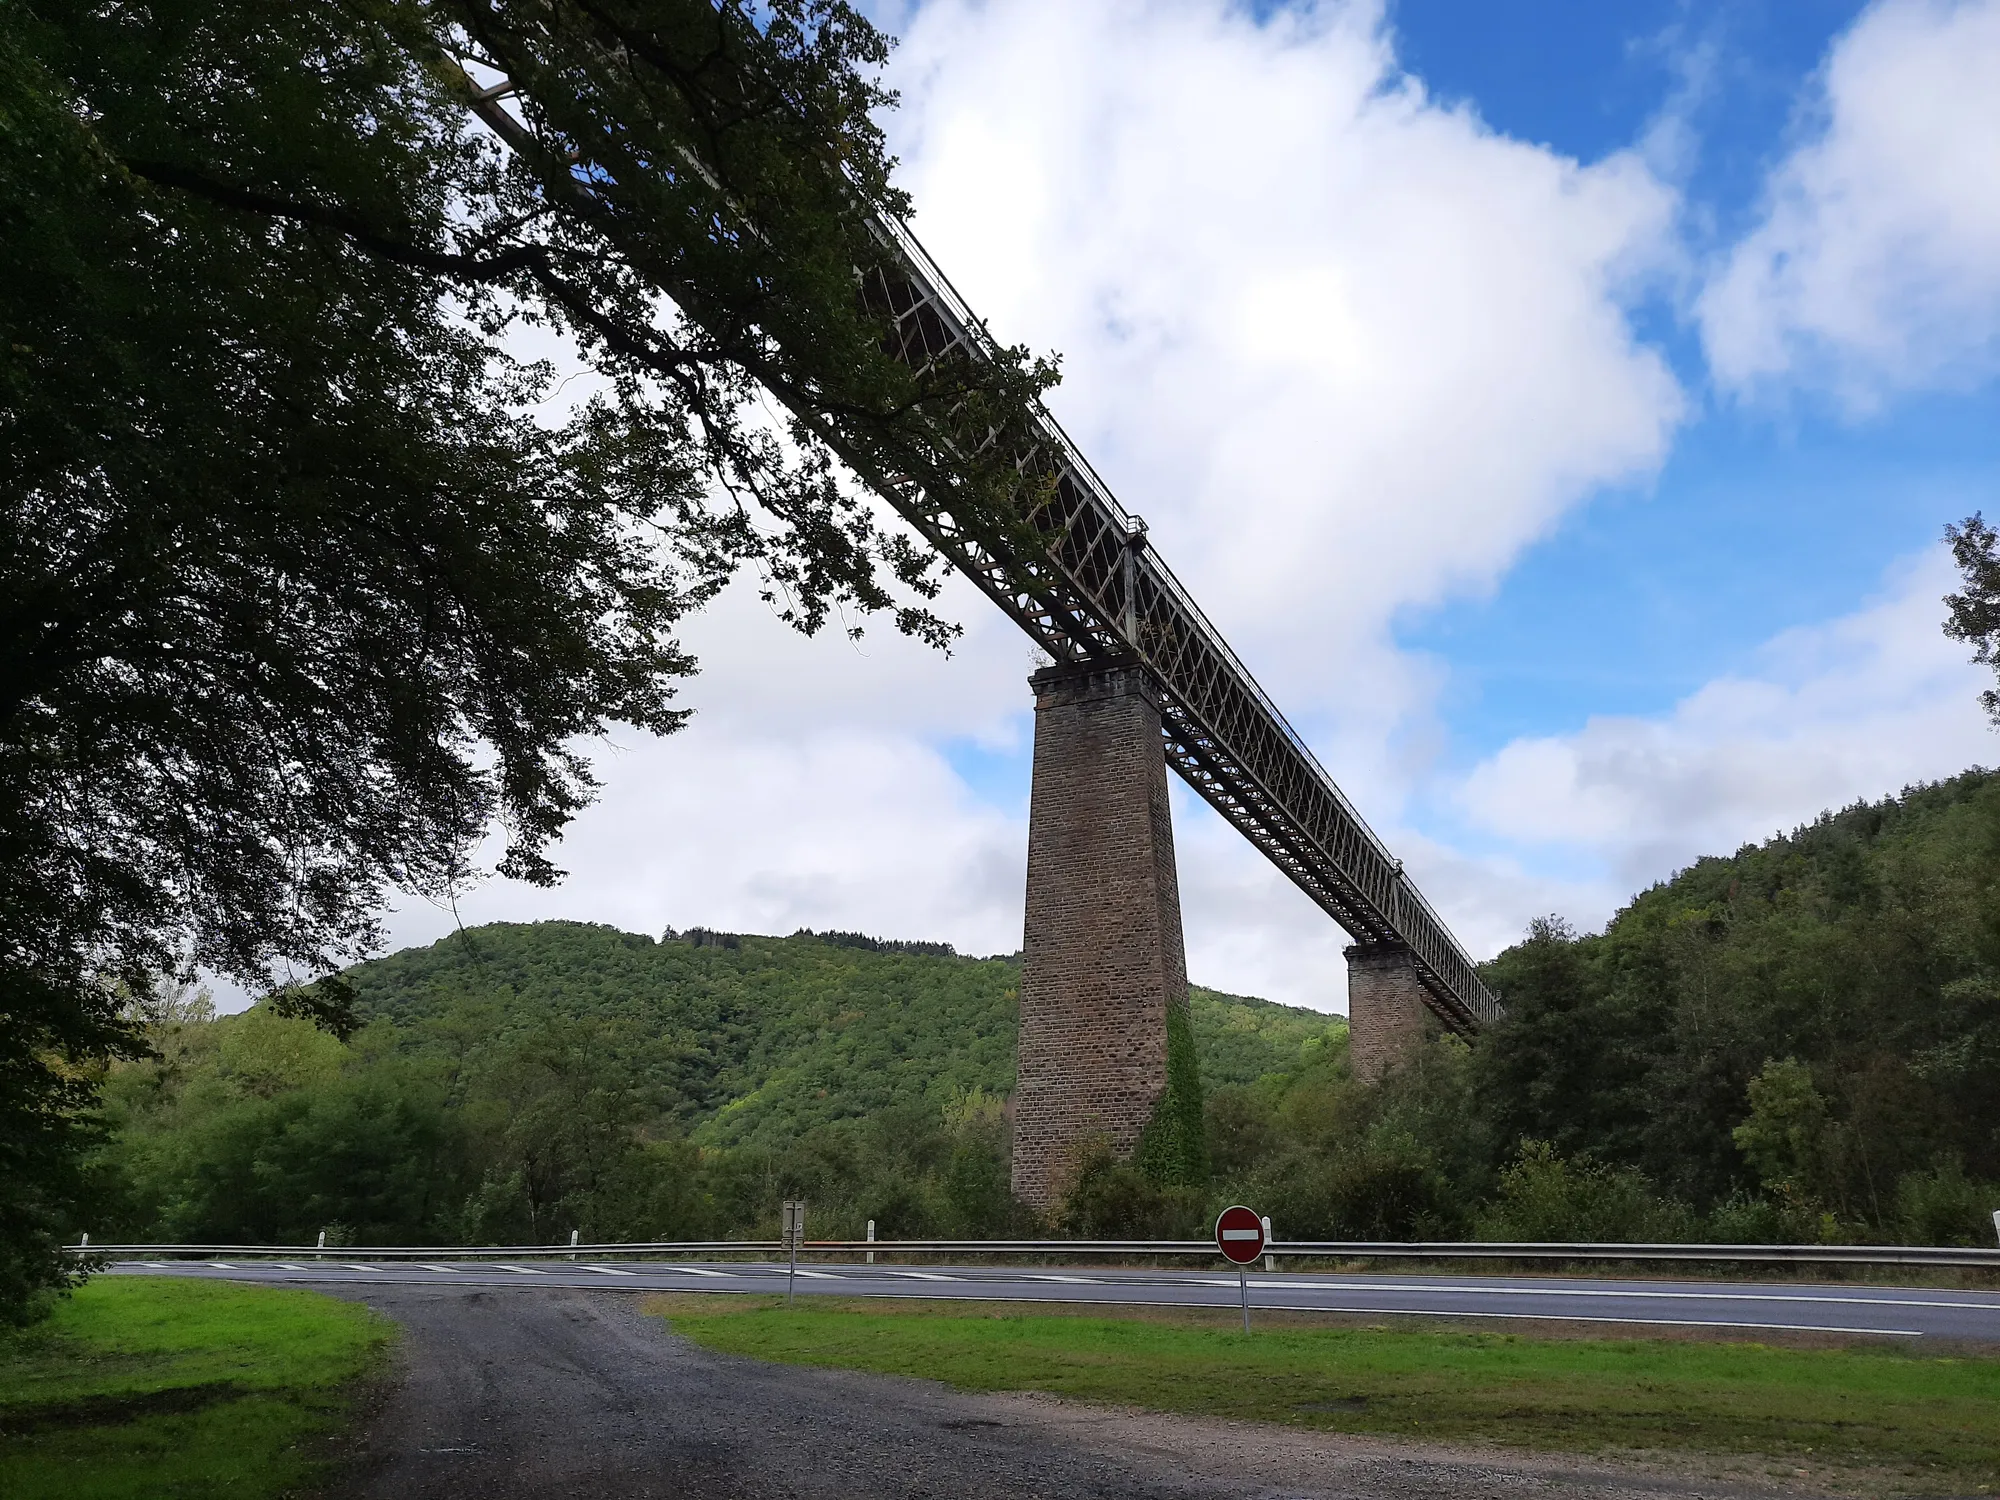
{"x":563,"y":1393}
{"x":1891,"y":1312}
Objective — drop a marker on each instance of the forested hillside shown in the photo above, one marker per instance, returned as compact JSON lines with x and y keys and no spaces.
{"x":1813,"y":1022}
{"x":1798,"y":1042}
{"x":514,"y":1077}
{"x":760,"y":1039}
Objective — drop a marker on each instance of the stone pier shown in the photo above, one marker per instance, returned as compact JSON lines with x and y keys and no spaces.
{"x":1387,"y":1019}
{"x":1103,"y":963}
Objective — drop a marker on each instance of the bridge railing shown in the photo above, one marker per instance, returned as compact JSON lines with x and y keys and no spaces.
{"x":1346,"y":1250}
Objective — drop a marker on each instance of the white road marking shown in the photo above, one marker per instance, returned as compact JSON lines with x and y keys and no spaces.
{"x":1688,"y":1296}
{"x":926,"y":1276}
{"x":524,"y":1270}
{"x":1075,"y":1280}
{"x":285,"y":1265}
{"x":608,"y":1271}
{"x":697,"y":1271}
{"x":222,"y":1265}
{"x":429,"y":1266}
{"x":822,"y":1275}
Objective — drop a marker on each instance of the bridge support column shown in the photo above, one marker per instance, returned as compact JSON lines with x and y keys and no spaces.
{"x":1387,"y":1019}
{"x":1104,"y":973}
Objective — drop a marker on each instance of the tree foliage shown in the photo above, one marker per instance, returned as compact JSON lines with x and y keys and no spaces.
{"x":308,"y":579}
{"x":516,"y":1082}
{"x":1813,"y":1022}
{"x":1973,"y":615}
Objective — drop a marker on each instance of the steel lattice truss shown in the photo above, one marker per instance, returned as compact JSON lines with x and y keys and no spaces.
{"x":1095,"y":591}
{"x":1099,"y":592}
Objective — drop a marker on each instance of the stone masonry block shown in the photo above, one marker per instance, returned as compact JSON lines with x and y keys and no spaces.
{"x":1387,"y":1016}
{"x":1103,"y":960}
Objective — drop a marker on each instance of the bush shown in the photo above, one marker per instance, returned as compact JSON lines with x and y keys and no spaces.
{"x":1945,"y":1207}
{"x":1543,"y":1196}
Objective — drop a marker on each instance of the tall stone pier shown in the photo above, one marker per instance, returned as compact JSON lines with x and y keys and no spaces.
{"x":1387,"y":1018}
{"x":1103,"y":964}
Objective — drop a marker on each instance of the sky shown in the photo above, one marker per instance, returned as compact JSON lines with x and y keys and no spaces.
{"x":1559,"y":406}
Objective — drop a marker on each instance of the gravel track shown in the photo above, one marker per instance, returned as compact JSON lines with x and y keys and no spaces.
{"x":518,"y":1395}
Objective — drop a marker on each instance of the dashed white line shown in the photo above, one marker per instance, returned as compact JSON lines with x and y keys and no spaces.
{"x":222,"y":1265}
{"x":355,"y":1266}
{"x":822,"y":1275}
{"x":524,"y":1270}
{"x":607,"y":1271}
{"x":1072,"y":1280}
{"x":429,"y":1266}
{"x":925,"y":1276}
{"x":698,"y":1271}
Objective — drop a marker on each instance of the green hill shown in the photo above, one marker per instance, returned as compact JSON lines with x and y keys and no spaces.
{"x":766,"y":1038}
{"x":1812,"y":1023}
{"x":1799,"y":1041}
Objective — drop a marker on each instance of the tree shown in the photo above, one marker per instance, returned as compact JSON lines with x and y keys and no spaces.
{"x":1975,"y":613}
{"x":298,"y":597}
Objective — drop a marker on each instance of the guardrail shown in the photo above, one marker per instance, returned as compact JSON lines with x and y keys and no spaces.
{"x":1855,"y":1255}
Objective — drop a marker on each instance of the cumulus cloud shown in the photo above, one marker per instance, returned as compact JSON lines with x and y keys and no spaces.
{"x":1347,"y":351}
{"x":1876,"y":265}
{"x":1857,"y":707}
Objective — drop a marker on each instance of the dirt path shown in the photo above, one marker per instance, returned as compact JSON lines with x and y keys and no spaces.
{"x":533,"y":1395}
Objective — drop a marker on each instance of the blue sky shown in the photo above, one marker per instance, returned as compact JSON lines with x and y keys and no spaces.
{"x":1761,"y":518}
{"x":1557,"y":404}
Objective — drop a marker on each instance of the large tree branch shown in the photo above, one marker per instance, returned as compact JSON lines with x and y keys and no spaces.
{"x":469,"y":268}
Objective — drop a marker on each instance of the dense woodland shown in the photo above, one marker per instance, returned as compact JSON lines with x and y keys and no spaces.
{"x":1799,"y":1042}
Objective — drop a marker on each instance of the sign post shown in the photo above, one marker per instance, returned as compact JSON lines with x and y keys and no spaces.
{"x":794,"y":1231}
{"x":1239,"y":1235}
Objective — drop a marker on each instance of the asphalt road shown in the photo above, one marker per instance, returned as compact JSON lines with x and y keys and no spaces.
{"x":568,"y":1394}
{"x":1894,"y":1312}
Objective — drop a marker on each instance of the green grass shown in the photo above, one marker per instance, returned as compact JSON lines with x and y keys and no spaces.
{"x":1867,"y":1414}
{"x":157,"y":1387}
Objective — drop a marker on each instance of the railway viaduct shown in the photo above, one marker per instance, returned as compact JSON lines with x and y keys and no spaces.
{"x":1139,"y":681}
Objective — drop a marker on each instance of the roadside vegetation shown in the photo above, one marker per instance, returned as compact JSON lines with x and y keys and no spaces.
{"x":1797,"y":1043}
{"x":1868,"y":1418}
{"x":138,"y":1388}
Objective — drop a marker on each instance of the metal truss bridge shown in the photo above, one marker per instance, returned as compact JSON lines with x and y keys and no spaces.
{"x":1096,"y":591}
{"x":1100,"y":592}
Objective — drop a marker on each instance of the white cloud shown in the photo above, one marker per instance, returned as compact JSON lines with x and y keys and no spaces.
{"x":1348,"y":351}
{"x":1877,"y":264}
{"x":1854,"y":708}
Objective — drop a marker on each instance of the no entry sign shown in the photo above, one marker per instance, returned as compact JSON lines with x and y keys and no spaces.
{"x":1239,"y":1234}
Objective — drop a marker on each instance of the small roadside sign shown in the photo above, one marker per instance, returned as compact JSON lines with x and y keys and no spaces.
{"x":1239,"y":1234}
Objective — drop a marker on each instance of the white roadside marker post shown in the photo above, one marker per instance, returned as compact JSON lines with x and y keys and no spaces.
{"x":871,"y":1237}
{"x":795,"y":1230}
{"x":1270,"y":1260}
{"x":572,"y":1243}
{"x":321,"y":1254}
{"x":1996,"y":1221}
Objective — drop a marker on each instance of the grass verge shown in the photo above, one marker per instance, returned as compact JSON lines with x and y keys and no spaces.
{"x":158,"y":1387}
{"x":1866,"y":1414}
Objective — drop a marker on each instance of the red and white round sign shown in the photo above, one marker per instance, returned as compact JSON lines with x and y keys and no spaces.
{"x":1239,"y":1234}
